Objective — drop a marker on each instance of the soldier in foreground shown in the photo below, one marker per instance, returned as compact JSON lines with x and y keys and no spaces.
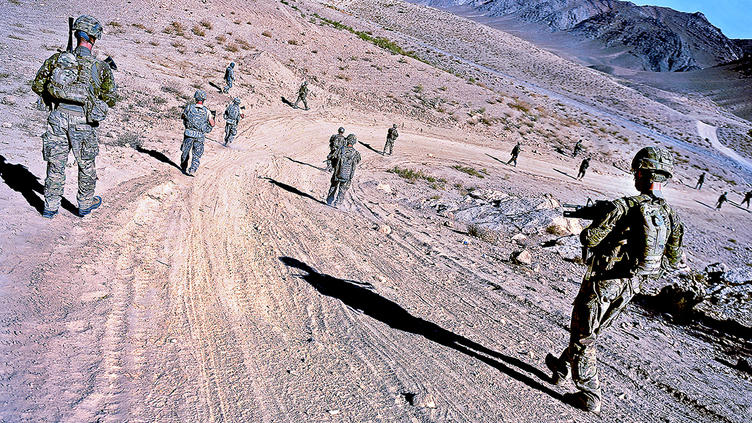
{"x":633,"y":239}
{"x":77,"y":89}
{"x":347,"y":158}
{"x":583,"y":168}
{"x":722,"y":199}
{"x":577,"y":148}
{"x":336,"y":142}
{"x":229,"y":77}
{"x":515,"y":153}
{"x":747,"y":198}
{"x":391,"y":136}
{"x":198,"y":122}
{"x":302,"y":95}
{"x":232,"y":116}
{"x":700,"y":181}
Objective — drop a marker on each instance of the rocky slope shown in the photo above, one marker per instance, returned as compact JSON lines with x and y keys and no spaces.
{"x":662,"y":39}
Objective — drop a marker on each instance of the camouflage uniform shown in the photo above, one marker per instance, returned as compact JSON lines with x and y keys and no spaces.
{"x":302,"y":94}
{"x":229,"y":77}
{"x":336,"y":142}
{"x":747,"y":198}
{"x":391,"y":136}
{"x":515,"y":153}
{"x":722,"y":199}
{"x":583,"y":168}
{"x":71,"y":125}
{"x":624,"y":255}
{"x":196,"y":122}
{"x":700,"y":181}
{"x":232,"y":116}
{"x":577,"y":148}
{"x":347,"y":158}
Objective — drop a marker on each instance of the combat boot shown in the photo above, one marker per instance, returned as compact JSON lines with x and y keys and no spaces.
{"x":95,"y":203}
{"x":560,"y":372}
{"x":583,"y":401}
{"x":49,"y":214}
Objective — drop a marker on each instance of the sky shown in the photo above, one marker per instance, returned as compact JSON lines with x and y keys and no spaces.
{"x":734,"y":17}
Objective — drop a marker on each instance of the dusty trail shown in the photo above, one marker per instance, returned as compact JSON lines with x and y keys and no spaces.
{"x":238,"y":295}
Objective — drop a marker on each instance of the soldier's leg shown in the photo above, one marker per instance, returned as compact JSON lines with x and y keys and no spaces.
{"x":391,"y":145}
{"x":185,"y":149}
{"x":198,"y":151}
{"x":581,"y":353}
{"x":296,"y":102}
{"x":332,"y":192}
{"x":55,"y":149}
{"x":233,"y":132}
{"x":84,"y":137}
{"x":305,"y":103}
{"x":343,"y":187}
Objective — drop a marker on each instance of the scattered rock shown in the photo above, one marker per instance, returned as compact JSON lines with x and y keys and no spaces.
{"x":522,"y":257}
{"x":384,"y":187}
{"x":385,"y":229}
{"x":519,"y":237}
{"x":333,"y":412}
{"x":563,"y":226}
{"x":7,"y":125}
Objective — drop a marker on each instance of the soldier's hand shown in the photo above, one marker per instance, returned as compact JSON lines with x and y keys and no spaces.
{"x":211,"y":121}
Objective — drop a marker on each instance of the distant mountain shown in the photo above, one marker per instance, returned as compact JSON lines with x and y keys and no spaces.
{"x":662,"y":39}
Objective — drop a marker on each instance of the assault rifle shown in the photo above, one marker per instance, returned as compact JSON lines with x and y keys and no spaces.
{"x":69,"y":49}
{"x":592,"y":210}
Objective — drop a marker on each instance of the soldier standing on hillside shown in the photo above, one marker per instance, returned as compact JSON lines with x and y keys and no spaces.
{"x":700,"y":181}
{"x":635,"y":240}
{"x":515,"y":153}
{"x":232,"y":116}
{"x":747,"y":197}
{"x":722,"y":199}
{"x":77,"y":88}
{"x":229,"y":77}
{"x":577,"y":148}
{"x":391,"y":136}
{"x":583,"y":168}
{"x":347,"y":158}
{"x":198,"y":121}
{"x":302,"y":95}
{"x":336,"y":142}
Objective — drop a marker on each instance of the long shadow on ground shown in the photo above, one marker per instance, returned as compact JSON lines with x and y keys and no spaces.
{"x":159,"y":156}
{"x":292,"y":189}
{"x":368,"y":146}
{"x":706,"y":205}
{"x":565,"y":173}
{"x":20,"y":179}
{"x":288,"y":102}
{"x":354,"y":294}
{"x":305,"y":164}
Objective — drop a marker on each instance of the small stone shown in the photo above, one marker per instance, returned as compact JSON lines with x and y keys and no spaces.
{"x":522,"y":257}
{"x":385,"y":229}
{"x":519,"y":237}
{"x":7,"y":125}
{"x":384,"y":187}
{"x":333,"y":412}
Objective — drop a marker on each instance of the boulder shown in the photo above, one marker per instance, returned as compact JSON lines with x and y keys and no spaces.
{"x":522,"y":257}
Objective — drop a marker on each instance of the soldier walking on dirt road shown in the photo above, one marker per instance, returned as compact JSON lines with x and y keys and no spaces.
{"x":634,"y":240}
{"x":391,"y":136}
{"x":515,"y":153}
{"x":232,"y":117}
{"x":747,"y":197}
{"x":347,"y":158}
{"x":198,"y":122}
{"x":229,"y":77}
{"x":583,"y":168}
{"x":336,"y":142}
{"x":722,"y":199}
{"x":77,"y":89}
{"x":700,"y":181}
{"x":577,"y":148}
{"x":302,"y":95}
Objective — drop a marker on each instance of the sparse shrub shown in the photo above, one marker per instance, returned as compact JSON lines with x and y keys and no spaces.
{"x":293,"y":42}
{"x":154,"y":43}
{"x":175,"y":28}
{"x":158,"y":100}
{"x":418,"y":89}
{"x":520,"y":105}
{"x":413,"y":175}
{"x":232,"y":48}
{"x":129,"y":139}
{"x":267,"y":34}
{"x":220,"y":38}
{"x":115,"y":24}
{"x":206,"y":24}
{"x":469,"y":170}
{"x":243,"y":44}
{"x":342,"y":76}
{"x":198,"y":30}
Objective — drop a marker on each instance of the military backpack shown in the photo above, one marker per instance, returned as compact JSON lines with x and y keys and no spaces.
{"x":653,"y":223}
{"x":72,"y":81}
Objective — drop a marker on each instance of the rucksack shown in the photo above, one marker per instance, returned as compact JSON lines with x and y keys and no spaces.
{"x":345,"y":165}
{"x":70,"y":80}
{"x":653,"y":226}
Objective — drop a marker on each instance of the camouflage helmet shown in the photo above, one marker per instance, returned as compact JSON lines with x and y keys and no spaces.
{"x":232,"y":64}
{"x":236,"y":100}
{"x":655,"y":160}
{"x":199,"y":95}
{"x":341,"y":130}
{"x":88,"y":25}
{"x":351,"y":139}
{"x":394,"y":126}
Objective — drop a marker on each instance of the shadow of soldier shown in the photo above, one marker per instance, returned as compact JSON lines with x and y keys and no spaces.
{"x":368,"y":146}
{"x":305,"y":164}
{"x":159,"y":156}
{"x":292,"y":189}
{"x":288,"y":102}
{"x":359,"y":297}
{"x":18,"y":178}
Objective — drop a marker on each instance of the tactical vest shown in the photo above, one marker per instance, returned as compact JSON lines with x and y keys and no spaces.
{"x":654,"y":224}
{"x":74,"y":80}
{"x":346,"y":164}
{"x":336,"y":142}
{"x":232,"y":114}
{"x":195,"y":117}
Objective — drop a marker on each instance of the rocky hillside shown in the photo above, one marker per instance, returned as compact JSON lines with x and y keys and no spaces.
{"x":662,"y":39}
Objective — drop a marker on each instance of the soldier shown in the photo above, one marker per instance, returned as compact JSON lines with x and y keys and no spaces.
{"x":347,"y":158}
{"x":229,"y":77}
{"x":583,"y":168}
{"x":391,"y":136}
{"x":747,"y":197}
{"x":336,"y":142}
{"x":722,"y":199}
{"x":198,"y":121}
{"x":515,"y":153}
{"x":634,"y":240}
{"x":577,"y":148}
{"x":700,"y":181}
{"x":302,"y":94}
{"x":77,"y":88}
{"x":232,"y":116}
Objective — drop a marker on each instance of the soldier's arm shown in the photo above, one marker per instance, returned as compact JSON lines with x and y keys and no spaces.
{"x":600,"y":228}
{"x":43,"y":74}
{"x":672,"y":252}
{"x":108,"y":88}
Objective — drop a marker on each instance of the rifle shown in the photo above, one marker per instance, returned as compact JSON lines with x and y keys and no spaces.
{"x":69,"y":49}
{"x":111,"y":63}
{"x":590,"y":211}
